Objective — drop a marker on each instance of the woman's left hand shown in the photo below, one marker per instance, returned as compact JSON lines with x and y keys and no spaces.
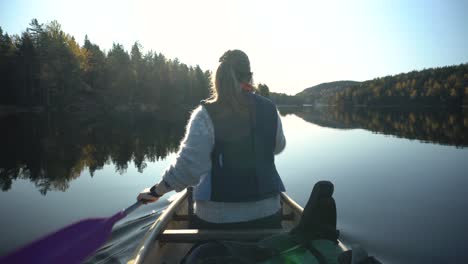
{"x":146,"y":197}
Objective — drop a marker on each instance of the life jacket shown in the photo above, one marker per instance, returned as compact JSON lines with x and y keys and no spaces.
{"x":243,"y":167}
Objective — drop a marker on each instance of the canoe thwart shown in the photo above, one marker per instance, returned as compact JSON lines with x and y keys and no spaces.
{"x":197,"y":235}
{"x":184,"y":217}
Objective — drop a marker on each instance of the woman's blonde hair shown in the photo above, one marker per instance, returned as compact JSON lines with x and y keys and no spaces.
{"x":234,"y":69}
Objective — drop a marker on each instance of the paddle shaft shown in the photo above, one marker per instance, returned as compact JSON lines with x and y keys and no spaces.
{"x":132,"y":207}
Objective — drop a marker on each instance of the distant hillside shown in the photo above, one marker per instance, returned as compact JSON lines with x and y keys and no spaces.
{"x":445,"y":86}
{"x":282,"y":99}
{"x":320,"y":94}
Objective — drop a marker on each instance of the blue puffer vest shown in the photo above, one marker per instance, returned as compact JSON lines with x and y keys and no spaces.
{"x":243,"y":167}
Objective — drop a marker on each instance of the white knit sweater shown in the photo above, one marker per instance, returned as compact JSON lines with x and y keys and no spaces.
{"x":193,"y":162}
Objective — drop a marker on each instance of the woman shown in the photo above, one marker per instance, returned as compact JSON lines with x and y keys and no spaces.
{"x":228,"y":154}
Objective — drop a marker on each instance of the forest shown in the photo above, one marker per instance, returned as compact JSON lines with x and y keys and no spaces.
{"x":46,"y":68}
{"x":445,"y":86}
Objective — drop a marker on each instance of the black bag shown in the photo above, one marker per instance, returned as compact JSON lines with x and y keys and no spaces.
{"x":318,"y":220}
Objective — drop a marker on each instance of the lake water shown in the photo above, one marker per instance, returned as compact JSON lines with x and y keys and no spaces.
{"x":400,"y":176}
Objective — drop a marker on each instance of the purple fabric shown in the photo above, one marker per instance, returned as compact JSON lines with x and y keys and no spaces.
{"x":71,"y":244}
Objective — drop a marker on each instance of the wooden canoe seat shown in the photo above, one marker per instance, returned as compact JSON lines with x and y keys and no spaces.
{"x":285,"y":217}
{"x":197,"y":235}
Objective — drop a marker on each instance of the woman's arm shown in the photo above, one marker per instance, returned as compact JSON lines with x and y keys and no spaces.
{"x":193,"y":159}
{"x":280,"y":139}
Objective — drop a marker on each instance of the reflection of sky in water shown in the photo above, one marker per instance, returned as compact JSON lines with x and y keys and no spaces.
{"x":402,"y":199}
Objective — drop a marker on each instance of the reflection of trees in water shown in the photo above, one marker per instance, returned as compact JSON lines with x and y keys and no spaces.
{"x":53,"y":150}
{"x":289,"y":110}
{"x":440,"y":126}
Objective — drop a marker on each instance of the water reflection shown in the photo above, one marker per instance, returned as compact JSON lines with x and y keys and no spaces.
{"x":52,"y":150}
{"x":440,"y":126}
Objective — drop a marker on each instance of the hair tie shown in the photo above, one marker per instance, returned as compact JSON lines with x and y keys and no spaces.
{"x":247,"y":87}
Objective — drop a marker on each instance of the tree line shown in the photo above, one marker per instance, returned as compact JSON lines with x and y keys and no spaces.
{"x":46,"y":67}
{"x":445,"y":86}
{"x":280,"y":99}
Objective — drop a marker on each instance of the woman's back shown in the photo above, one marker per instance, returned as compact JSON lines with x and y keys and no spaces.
{"x":228,"y":153}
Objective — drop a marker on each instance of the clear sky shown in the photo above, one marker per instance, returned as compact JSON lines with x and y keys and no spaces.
{"x":292,"y":45}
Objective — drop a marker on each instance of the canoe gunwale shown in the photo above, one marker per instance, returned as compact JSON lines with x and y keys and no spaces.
{"x":291,"y":203}
{"x":156,"y":228}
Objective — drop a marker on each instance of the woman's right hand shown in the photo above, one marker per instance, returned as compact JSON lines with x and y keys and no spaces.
{"x":146,"y":197}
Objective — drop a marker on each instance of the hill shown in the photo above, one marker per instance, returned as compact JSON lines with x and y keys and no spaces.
{"x":444,"y":86}
{"x":320,"y":94}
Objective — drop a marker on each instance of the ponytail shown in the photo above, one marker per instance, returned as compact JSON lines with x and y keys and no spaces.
{"x":234,"y":69}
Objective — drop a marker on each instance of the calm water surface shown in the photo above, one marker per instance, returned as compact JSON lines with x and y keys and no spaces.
{"x":400,"y":176}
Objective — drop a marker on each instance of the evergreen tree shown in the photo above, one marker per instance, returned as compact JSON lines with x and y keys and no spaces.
{"x":263,"y":90}
{"x":46,"y":66}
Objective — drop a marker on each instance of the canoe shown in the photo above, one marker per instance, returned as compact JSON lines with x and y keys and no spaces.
{"x":169,"y":238}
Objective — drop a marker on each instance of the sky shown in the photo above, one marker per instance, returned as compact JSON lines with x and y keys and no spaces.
{"x":292,"y":45}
